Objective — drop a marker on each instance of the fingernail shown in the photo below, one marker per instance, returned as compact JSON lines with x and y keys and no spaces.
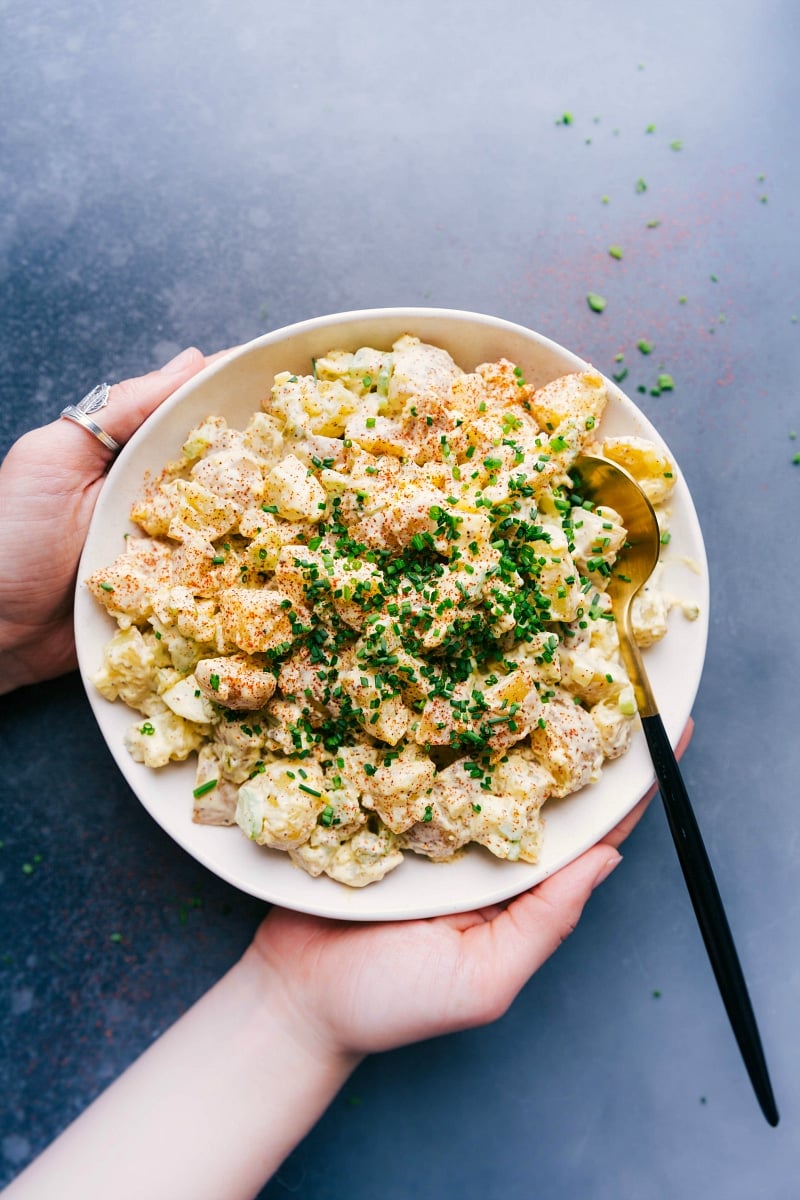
{"x":606,"y":870}
{"x":180,"y":362}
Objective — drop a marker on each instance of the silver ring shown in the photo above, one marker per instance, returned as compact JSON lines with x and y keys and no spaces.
{"x":81,"y":414}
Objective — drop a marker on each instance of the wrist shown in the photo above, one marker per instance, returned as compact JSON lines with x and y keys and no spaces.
{"x":278,"y":1012}
{"x":211,"y":1109}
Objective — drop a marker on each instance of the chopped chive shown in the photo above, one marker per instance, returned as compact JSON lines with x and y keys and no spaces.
{"x":596,"y":303}
{"x":203,"y":788}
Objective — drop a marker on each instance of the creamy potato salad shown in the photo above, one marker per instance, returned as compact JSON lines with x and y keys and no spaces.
{"x":378,"y":613}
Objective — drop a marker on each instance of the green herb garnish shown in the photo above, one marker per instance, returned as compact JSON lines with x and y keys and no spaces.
{"x":203,"y":788}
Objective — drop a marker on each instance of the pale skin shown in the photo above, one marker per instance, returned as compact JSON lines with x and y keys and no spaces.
{"x":216,"y":1104}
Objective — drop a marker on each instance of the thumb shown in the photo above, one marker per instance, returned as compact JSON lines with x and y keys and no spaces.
{"x":536,"y":923}
{"x":129,"y":404}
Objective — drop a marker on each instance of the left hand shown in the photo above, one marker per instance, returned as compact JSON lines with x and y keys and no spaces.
{"x":49,"y":484}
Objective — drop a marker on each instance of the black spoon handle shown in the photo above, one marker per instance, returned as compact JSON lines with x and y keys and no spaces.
{"x":709,"y":912}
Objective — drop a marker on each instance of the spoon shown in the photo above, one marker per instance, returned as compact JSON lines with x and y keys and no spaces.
{"x":603,"y":482}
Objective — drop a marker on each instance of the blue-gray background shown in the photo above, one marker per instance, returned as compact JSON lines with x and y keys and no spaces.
{"x":178,"y":173}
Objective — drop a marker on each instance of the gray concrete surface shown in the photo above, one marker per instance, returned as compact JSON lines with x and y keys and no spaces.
{"x":176,"y":173}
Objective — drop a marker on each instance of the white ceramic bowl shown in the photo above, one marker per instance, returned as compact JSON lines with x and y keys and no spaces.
{"x":419,"y":888}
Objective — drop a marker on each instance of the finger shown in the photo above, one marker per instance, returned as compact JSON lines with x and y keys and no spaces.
{"x":685,"y":738}
{"x":629,"y":822}
{"x":220,"y":354}
{"x":534,"y":925}
{"x":129,"y":404}
{"x":133,"y":400}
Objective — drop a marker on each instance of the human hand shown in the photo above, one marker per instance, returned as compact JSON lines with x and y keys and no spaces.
{"x":49,"y":484}
{"x":357,"y":988}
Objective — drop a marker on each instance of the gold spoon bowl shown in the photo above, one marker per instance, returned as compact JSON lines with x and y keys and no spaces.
{"x":603,"y":482}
